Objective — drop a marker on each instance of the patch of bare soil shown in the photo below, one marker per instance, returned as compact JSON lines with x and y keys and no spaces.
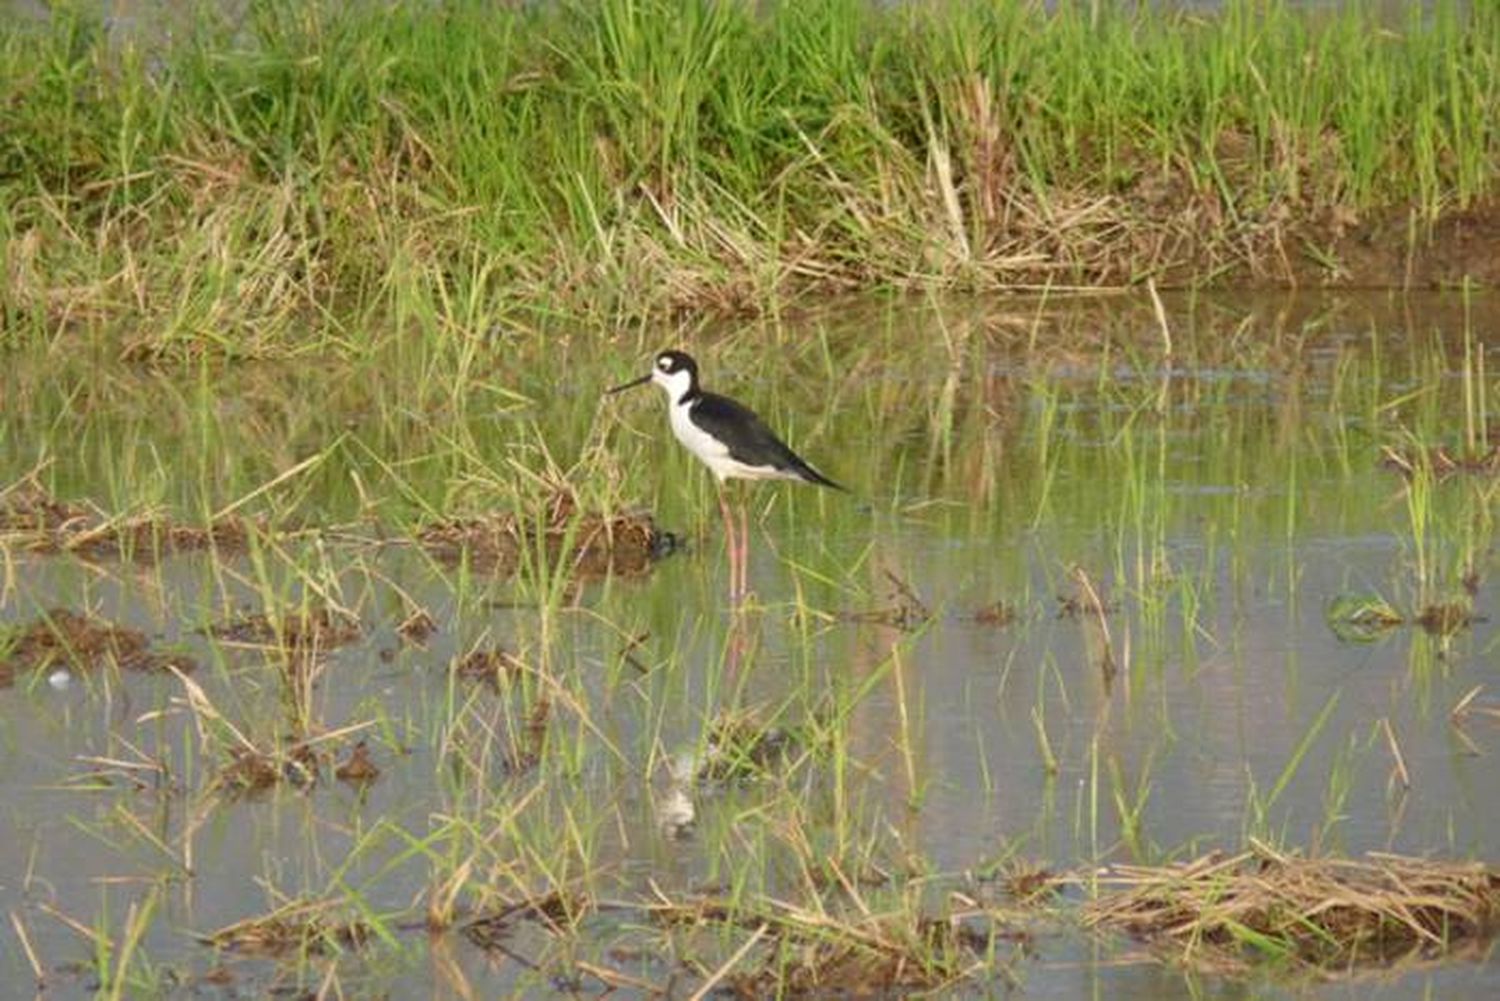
{"x":1188,"y":232}
{"x":81,"y":642}
{"x":588,"y":545}
{"x":33,"y":520}
{"x":1388,"y":250}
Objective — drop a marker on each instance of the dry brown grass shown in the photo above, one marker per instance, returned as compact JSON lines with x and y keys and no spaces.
{"x":1334,"y":915}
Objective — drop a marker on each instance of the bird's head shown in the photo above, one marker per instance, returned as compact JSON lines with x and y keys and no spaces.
{"x":673,"y":371}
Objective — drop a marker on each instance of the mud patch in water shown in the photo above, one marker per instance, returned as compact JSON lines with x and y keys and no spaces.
{"x":299,"y":928}
{"x":303,"y":632}
{"x":589,"y":545}
{"x":1360,"y":618}
{"x":33,"y":520}
{"x":487,"y":666}
{"x":62,"y":637}
{"x":1440,"y":461}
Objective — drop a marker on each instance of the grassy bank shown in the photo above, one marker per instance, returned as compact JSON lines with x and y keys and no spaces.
{"x":323,"y":177}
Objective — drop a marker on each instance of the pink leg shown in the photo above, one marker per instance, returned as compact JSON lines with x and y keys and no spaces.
{"x":744,"y":550}
{"x":730,"y":547}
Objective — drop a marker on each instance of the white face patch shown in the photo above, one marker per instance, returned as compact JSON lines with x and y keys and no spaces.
{"x":675,"y":383}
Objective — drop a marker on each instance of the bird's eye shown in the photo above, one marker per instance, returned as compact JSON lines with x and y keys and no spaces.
{"x":664,"y":363}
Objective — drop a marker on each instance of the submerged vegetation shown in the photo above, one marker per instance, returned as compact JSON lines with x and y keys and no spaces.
{"x":292,"y":175}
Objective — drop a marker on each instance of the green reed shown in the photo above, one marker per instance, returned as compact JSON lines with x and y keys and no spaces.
{"x":342,"y":176}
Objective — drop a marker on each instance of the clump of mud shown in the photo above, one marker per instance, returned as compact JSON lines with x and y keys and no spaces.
{"x":1440,"y":462}
{"x":252,"y":771}
{"x":298,"y":928}
{"x":33,"y":520}
{"x":359,"y":768}
{"x":487,"y":666}
{"x":741,"y":747}
{"x":1365,"y":618}
{"x":63,"y":637}
{"x":587,"y":544}
{"x":906,"y":609}
{"x":307,"y":631}
{"x":417,"y":628}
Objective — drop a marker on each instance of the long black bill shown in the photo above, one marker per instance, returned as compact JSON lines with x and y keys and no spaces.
{"x":629,"y":385}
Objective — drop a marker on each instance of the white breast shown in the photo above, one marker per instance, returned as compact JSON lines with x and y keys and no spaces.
{"x":714,"y":453}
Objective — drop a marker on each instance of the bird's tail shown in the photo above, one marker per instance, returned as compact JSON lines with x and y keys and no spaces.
{"x":811,"y":475}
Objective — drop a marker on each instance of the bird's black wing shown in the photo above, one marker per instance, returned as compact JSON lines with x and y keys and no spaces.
{"x":749,"y":440}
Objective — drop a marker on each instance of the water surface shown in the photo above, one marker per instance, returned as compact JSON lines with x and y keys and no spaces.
{"x":1227,"y":501}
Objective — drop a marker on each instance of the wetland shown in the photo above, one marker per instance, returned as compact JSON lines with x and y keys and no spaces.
{"x":1126,"y":588}
{"x":353,"y":643}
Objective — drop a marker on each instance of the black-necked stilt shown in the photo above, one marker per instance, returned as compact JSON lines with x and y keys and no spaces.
{"x":731,"y":440}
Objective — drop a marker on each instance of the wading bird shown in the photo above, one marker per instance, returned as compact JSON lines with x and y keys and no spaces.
{"x":732,"y":442}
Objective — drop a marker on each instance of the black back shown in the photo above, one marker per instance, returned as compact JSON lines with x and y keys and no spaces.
{"x":748,"y":438}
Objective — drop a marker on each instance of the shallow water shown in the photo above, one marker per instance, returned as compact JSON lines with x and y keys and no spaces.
{"x":1225,"y":502}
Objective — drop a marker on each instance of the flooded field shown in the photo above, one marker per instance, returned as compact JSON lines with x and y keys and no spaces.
{"x":417,"y":675}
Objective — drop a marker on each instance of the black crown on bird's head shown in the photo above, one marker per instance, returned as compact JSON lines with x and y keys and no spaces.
{"x":673,"y":361}
{"x":669,"y":365}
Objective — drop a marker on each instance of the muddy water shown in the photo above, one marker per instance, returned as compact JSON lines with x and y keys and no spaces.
{"x":1238,"y":507}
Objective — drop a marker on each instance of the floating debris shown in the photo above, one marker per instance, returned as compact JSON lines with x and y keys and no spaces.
{"x":1224,"y":915}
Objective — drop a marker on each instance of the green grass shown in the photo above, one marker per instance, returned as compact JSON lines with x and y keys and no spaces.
{"x":331,"y":175}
